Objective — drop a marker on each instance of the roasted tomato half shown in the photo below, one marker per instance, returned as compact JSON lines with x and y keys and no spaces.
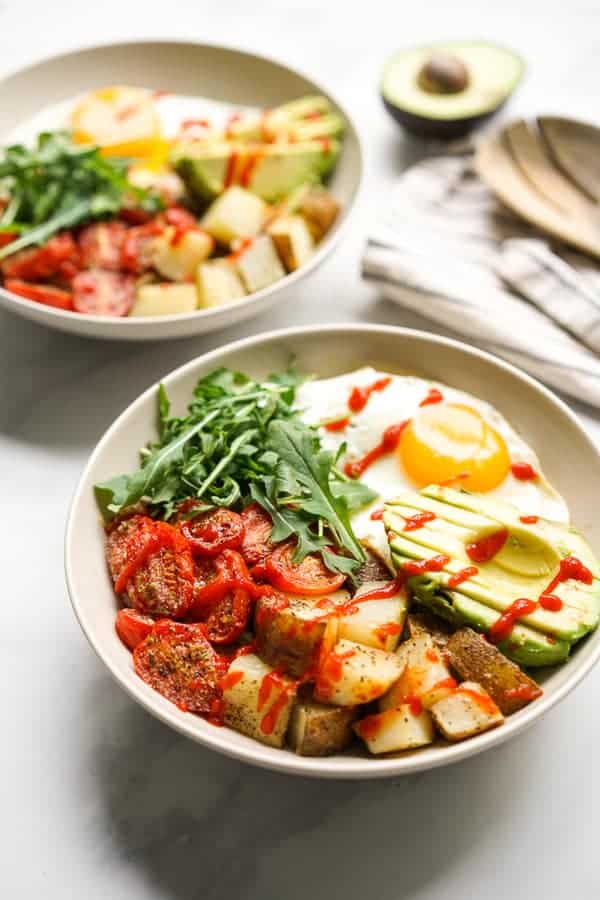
{"x":40,"y":263}
{"x":211,"y":533}
{"x":256,"y":544}
{"x":310,"y":577}
{"x":178,"y":661}
{"x":100,"y":292}
{"x":151,"y":562}
{"x":101,"y":245}
{"x":133,"y":627}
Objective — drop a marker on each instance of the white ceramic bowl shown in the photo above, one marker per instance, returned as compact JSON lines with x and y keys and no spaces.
{"x":569,"y":458}
{"x":225,"y":75}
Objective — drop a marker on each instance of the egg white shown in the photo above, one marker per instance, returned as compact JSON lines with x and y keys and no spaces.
{"x":325,"y":400}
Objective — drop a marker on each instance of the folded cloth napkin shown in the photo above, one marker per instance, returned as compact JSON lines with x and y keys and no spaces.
{"x":446,"y":249}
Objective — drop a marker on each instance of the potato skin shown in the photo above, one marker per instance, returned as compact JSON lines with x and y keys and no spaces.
{"x":425,"y":621}
{"x":319,"y":730}
{"x":475,"y":659}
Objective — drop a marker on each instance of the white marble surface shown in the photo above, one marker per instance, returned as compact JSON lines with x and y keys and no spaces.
{"x":100,"y":800}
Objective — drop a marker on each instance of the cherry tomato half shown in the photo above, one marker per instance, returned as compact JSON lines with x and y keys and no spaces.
{"x":40,"y":263}
{"x":310,"y":577}
{"x":213,"y":532}
{"x":100,"y":292}
{"x":133,"y":627}
{"x":256,"y":544}
{"x":178,"y":662}
{"x":40,"y":293}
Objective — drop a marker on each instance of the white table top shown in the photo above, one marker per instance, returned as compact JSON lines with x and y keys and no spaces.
{"x":99,"y":799}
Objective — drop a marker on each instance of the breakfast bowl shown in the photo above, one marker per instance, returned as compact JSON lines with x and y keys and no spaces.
{"x":540,"y":421}
{"x":231,"y":122}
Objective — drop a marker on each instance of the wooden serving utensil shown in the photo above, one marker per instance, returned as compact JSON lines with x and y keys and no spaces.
{"x":575,"y":147}
{"x":519,"y":168}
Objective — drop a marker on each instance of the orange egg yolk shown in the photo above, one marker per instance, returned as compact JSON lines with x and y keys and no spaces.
{"x":450,"y":443}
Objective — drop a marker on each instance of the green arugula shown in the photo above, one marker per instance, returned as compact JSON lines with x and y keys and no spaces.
{"x":59,"y":184}
{"x":242,"y":441}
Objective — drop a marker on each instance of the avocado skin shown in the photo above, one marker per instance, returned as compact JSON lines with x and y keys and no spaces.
{"x":438,"y":129}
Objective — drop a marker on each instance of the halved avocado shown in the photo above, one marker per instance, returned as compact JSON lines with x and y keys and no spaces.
{"x":445,"y":90}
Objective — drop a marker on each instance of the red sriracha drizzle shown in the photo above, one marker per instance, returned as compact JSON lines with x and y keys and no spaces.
{"x":231,"y":167}
{"x":377,"y":514}
{"x":486,"y":548}
{"x":388,"y":443}
{"x":421,"y":566}
{"x":434,"y":396}
{"x":529,"y":520}
{"x":413,"y":523}
{"x":523,"y":471}
{"x":504,"y":624}
{"x":359,"y":396}
{"x":338,"y":424}
{"x":463,"y":575}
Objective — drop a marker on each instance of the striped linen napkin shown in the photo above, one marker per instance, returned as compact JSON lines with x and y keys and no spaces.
{"x":446,"y":249}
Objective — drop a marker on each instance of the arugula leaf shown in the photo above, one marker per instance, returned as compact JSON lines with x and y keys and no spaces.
{"x":298,"y":446}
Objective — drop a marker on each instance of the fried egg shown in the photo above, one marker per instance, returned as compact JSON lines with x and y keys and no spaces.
{"x":443,"y":436}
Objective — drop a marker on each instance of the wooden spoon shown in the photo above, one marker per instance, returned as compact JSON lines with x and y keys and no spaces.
{"x":575,"y":147}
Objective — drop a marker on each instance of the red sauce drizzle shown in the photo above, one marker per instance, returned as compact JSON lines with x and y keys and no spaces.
{"x":434,"y":396}
{"x":419,"y":567}
{"x":338,"y":424}
{"x":463,"y":575}
{"x":230,"y":171}
{"x":390,"y":629}
{"x":377,"y":514}
{"x":413,"y":523}
{"x":523,"y":471}
{"x":233,"y":118}
{"x":570,"y":567}
{"x":449,"y":684}
{"x":333,"y":665}
{"x":248,"y":169}
{"x":486,"y":548}
{"x":504,"y":624}
{"x":415,"y":705}
{"x":525,"y":692}
{"x":380,"y":593}
{"x":388,"y":443}
{"x":550,"y":602}
{"x":231,"y":679}
{"x":359,"y":396}
{"x":529,"y":520}
{"x":127,"y":112}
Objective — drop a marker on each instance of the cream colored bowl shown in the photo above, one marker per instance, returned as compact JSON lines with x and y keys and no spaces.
{"x":221,"y":74}
{"x":569,"y":459}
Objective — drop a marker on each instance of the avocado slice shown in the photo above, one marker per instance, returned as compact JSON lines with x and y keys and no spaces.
{"x":271,"y":171}
{"x":446,"y":90}
{"x":524,"y":567}
{"x":305,"y":119}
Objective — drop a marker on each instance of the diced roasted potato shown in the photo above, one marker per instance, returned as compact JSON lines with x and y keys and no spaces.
{"x":351,"y":674}
{"x":258,"y":265}
{"x":320,"y":210}
{"x":291,"y":635}
{"x":465,"y":712}
{"x":319,"y":730}
{"x":257,"y":700}
{"x":475,"y":659}
{"x":178,"y":258}
{"x":237,"y":213}
{"x":373,"y":572}
{"x":293,"y":241}
{"x":218,"y":282}
{"x":376,"y":623}
{"x":164,"y":299}
{"x":425,"y":675}
{"x":404,"y":728}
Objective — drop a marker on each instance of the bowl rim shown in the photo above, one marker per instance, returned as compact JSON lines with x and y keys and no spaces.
{"x":288,"y":762}
{"x":8,"y":299}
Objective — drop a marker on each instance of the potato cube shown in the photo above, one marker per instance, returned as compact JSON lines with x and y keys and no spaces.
{"x":376,"y":623}
{"x":218,"y":283}
{"x":258,"y":264}
{"x":351,"y":674}
{"x":164,"y":299}
{"x":425,"y":674}
{"x":404,"y":728}
{"x":257,"y":700}
{"x":319,"y":730}
{"x":291,"y":633}
{"x":320,"y":210}
{"x":293,"y":241}
{"x":237,"y":213}
{"x":178,"y":258}
{"x":465,"y":712}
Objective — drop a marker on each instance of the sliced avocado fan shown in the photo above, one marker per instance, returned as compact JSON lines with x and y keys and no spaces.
{"x":524,"y":567}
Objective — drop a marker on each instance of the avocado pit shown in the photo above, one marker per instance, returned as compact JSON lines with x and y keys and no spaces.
{"x":443,"y":73}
